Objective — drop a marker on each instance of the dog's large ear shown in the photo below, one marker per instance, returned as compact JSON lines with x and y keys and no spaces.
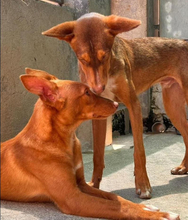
{"x":40,"y":73}
{"x":62,"y":31}
{"x":118,"y":24}
{"x":47,"y":90}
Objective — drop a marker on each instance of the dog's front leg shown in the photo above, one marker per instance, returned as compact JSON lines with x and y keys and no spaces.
{"x":143,"y":187}
{"x":80,"y":179}
{"x":99,"y":136}
{"x":90,"y":202}
{"x":126,"y":93}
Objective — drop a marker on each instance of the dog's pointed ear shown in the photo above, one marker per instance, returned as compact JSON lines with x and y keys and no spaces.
{"x":39,"y":73}
{"x":118,"y":24}
{"x":47,"y":90}
{"x":62,"y":31}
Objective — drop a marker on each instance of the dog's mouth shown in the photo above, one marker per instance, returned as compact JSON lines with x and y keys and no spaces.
{"x":98,"y":116}
{"x":95,"y":116}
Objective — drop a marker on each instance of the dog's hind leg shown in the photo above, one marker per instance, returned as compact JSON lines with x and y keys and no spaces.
{"x":174,"y":103}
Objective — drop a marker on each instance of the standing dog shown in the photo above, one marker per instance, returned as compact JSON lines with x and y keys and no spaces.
{"x":121,"y":69}
{"x":44,"y":161}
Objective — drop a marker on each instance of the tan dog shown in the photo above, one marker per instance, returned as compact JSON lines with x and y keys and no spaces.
{"x":121,"y":69}
{"x":44,"y":161}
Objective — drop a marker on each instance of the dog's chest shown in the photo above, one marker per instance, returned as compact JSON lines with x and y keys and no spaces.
{"x":109,"y":90}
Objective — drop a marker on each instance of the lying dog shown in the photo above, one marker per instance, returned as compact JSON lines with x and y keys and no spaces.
{"x":44,"y":161}
{"x":121,"y":69}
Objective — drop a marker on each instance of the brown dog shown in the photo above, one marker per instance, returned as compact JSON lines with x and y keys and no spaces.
{"x":44,"y":161}
{"x":121,"y":69}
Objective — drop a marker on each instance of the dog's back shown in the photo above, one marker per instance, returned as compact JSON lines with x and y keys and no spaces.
{"x":153,"y":58}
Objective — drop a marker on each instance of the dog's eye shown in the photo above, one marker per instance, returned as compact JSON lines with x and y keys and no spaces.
{"x":104,"y":58}
{"x":102,"y":55}
{"x":87,"y":92}
{"x":84,"y":58}
{"x":84,"y":62}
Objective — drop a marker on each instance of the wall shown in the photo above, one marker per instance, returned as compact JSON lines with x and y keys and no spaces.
{"x":22,"y":45}
{"x":132,"y":9}
{"x":81,"y":7}
{"x":136,"y":10}
{"x":171,"y":25}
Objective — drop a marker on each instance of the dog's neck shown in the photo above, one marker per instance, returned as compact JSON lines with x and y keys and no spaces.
{"x":45,"y":125}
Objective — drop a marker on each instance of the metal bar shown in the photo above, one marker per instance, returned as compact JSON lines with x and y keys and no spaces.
{"x":156,"y":12}
{"x":156,"y":17}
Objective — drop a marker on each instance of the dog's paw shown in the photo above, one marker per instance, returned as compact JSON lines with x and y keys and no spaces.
{"x":92,"y":184}
{"x":171,"y":216}
{"x":180,"y":170}
{"x":156,"y":214}
{"x":143,"y":187}
{"x":145,"y":194}
{"x":151,"y":208}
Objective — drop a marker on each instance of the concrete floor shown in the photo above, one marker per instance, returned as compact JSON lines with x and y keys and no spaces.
{"x":170,"y":193}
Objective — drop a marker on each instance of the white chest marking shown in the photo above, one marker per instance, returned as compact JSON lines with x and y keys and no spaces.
{"x":110,"y":86}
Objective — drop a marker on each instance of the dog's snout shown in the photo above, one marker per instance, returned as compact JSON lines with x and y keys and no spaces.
{"x":99,"y":89}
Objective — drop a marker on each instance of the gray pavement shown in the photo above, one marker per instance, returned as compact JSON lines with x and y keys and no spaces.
{"x":170,"y":193}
